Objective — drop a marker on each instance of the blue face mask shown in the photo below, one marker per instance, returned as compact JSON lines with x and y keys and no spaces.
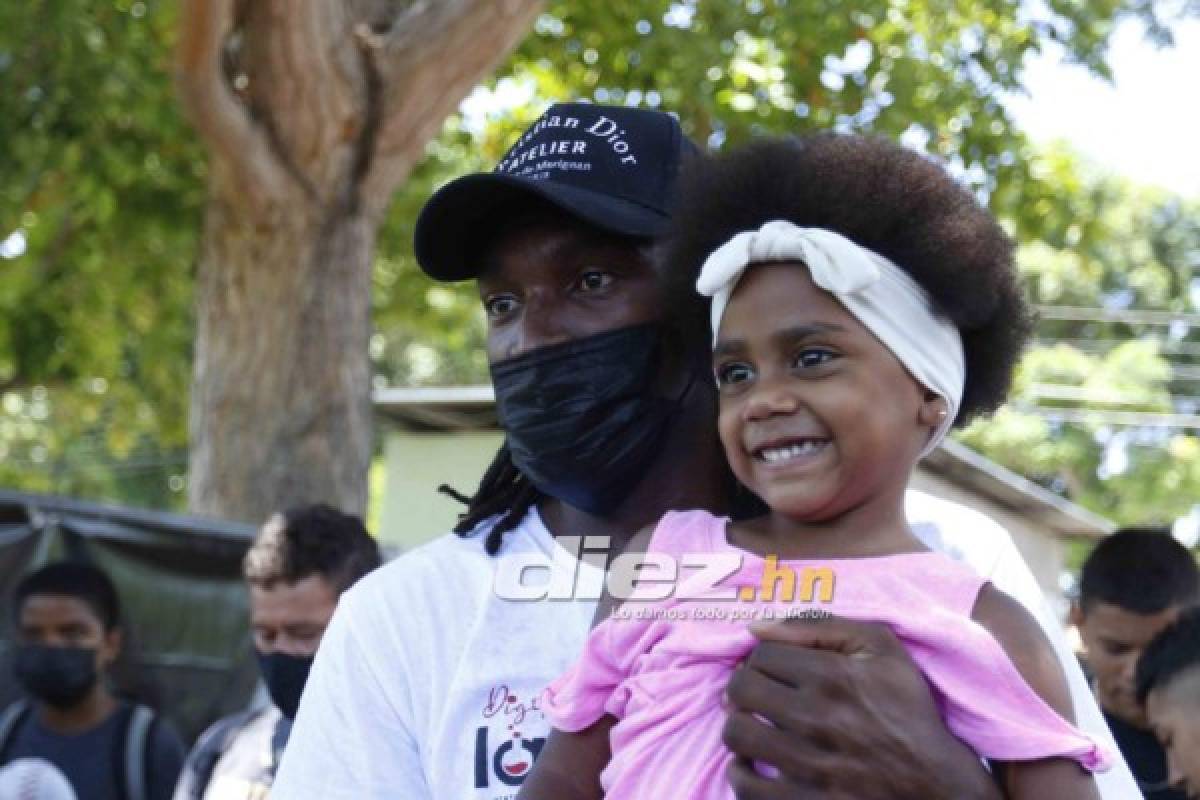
{"x":285,"y":676}
{"x":584,"y":419}
{"x":58,"y":676}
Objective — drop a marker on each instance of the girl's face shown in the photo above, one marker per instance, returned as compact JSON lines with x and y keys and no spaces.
{"x":817,"y":417}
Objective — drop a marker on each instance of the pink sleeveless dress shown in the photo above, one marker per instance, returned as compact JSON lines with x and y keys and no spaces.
{"x":661,"y":667}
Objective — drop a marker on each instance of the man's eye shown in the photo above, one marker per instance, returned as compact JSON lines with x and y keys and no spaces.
{"x":728,"y":374}
{"x":594,"y":280}
{"x":812,"y":357}
{"x":500,"y":304}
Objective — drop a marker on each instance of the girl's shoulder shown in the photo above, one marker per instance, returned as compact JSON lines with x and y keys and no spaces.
{"x":934,"y":577}
{"x":692,"y":531}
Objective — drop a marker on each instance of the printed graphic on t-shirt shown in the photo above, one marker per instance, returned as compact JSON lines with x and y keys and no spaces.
{"x":510,"y":736}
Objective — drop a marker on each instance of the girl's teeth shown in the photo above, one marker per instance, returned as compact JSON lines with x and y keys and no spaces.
{"x":775,"y":454}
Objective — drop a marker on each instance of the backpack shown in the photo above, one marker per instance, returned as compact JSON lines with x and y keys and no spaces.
{"x":213,"y":744}
{"x":132,"y":744}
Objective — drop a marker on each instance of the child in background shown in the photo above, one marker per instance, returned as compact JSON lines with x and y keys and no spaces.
{"x":863,"y":303}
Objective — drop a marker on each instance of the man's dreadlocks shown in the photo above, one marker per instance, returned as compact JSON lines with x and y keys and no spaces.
{"x":502,"y":489}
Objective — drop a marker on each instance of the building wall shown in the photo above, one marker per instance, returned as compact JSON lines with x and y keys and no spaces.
{"x":417,"y":463}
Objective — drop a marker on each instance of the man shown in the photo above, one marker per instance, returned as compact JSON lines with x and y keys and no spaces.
{"x":1133,"y":586}
{"x":1168,"y":683}
{"x":428,"y":683}
{"x":68,"y":622}
{"x":302,"y":560}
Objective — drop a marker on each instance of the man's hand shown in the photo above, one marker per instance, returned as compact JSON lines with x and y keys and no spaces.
{"x":840,"y":710}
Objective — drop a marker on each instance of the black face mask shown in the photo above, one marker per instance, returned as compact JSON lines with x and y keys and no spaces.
{"x":584,"y":419}
{"x":58,"y":676}
{"x":285,"y":676}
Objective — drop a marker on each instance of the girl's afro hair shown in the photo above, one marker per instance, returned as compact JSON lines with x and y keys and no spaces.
{"x":885,"y":197}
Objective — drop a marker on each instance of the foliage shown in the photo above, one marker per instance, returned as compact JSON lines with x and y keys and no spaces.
{"x":1110,"y":246}
{"x":103,"y":183}
{"x":101,"y":187}
{"x":932,"y":73}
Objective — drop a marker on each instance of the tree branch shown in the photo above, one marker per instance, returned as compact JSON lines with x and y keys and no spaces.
{"x":466,"y":40}
{"x":364,"y":152}
{"x":430,"y":29}
{"x":220,"y":118}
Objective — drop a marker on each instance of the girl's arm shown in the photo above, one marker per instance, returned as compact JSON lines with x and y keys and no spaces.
{"x":1022,"y":639}
{"x":568,"y":768}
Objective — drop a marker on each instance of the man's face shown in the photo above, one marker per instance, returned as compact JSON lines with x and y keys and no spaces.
{"x":1174,"y":715}
{"x":291,"y":617}
{"x":555,"y":280}
{"x":1114,"y":639}
{"x":54,"y":620}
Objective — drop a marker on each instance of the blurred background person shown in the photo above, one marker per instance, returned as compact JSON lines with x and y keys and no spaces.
{"x":1168,"y":683}
{"x":301,"y":562}
{"x":68,"y":633}
{"x":1134,"y":584}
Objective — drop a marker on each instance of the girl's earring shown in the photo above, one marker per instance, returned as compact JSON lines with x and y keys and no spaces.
{"x":933,"y":411}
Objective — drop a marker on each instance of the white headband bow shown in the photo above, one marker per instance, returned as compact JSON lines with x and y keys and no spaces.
{"x":882,"y":296}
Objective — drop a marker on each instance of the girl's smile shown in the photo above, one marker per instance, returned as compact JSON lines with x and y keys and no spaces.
{"x":790,"y":451}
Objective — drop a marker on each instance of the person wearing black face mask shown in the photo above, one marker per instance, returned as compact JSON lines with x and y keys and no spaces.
{"x":430,"y":684}
{"x":68,"y":636}
{"x":302,"y":560}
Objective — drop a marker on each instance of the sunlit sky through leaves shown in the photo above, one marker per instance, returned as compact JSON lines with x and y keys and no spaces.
{"x":1144,"y":125}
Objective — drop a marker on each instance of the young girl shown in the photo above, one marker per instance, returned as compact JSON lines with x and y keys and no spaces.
{"x":862,"y":303}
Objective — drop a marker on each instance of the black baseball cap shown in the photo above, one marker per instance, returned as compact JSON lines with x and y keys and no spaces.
{"x":610,"y":166}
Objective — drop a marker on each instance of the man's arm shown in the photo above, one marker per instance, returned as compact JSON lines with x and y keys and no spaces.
{"x":842,"y":712}
{"x":349,"y":741}
{"x":570,"y":764}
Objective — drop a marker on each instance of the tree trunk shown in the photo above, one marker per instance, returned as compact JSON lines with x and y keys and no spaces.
{"x":280,"y":414}
{"x":314,"y":112}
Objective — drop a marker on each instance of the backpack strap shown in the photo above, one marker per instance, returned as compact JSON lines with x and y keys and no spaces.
{"x":137,"y":744}
{"x":212,"y":745}
{"x":11,"y":719}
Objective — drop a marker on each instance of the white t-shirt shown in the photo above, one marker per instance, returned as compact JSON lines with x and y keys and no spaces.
{"x":426,"y":683}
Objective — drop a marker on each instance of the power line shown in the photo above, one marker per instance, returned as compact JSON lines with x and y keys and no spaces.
{"x":1166,"y":347}
{"x":1184,"y":374}
{"x":1140,"y":419}
{"x":1056,"y":391}
{"x":1129,"y":315}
